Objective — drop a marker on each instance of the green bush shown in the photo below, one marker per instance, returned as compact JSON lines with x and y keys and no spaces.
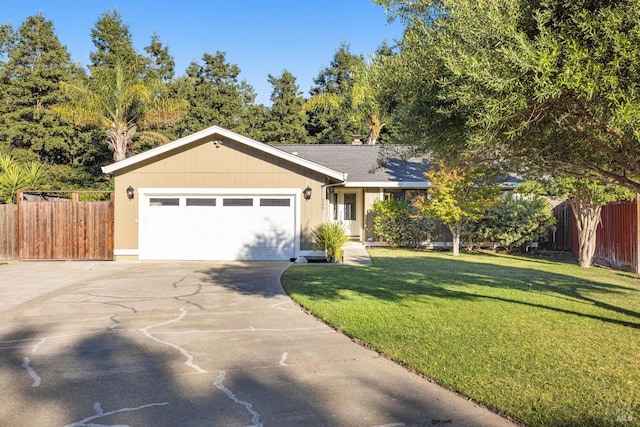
{"x":330,"y":237}
{"x":401,"y":224}
{"x":512,"y":224}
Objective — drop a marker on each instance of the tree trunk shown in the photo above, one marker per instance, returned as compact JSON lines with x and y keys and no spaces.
{"x":587,"y":218}
{"x":456,"y":229}
{"x":119,"y":138}
{"x":375,"y":127}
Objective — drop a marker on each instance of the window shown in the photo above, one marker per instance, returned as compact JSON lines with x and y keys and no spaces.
{"x":275,"y":202}
{"x":237,"y":202}
{"x":164,"y":201}
{"x":200,"y":202}
{"x":349,"y":206}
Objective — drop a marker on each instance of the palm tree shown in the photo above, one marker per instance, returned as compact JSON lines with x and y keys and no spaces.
{"x":15,"y":176}
{"x":365,"y":101}
{"x":361,"y":103}
{"x":119,"y":100}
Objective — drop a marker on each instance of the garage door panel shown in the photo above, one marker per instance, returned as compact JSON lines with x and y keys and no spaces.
{"x":162,"y":231}
{"x":220,"y":227}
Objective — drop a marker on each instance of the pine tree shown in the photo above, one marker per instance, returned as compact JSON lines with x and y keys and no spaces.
{"x":37,"y":64}
{"x":160,"y":62}
{"x":112,"y":39}
{"x":214,"y":94}
{"x":285,"y":123}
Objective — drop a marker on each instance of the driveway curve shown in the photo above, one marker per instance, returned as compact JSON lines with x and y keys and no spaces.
{"x":192,"y":344}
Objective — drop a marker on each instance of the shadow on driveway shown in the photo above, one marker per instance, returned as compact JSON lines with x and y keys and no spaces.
{"x":195,"y":344}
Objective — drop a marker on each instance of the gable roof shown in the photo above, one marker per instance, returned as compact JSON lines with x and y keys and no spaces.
{"x":224,"y":133}
{"x":366,"y":165}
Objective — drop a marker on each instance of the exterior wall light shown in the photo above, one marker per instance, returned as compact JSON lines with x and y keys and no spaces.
{"x":130,"y":193}
{"x":307,"y":193}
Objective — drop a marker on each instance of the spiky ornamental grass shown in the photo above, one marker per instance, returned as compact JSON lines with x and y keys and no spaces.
{"x":547,"y":343}
{"x":330,"y":237}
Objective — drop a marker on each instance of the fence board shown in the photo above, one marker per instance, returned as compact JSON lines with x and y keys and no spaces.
{"x":8,"y":232}
{"x":66,"y":230}
{"x":562,"y":237}
{"x":616,"y":236}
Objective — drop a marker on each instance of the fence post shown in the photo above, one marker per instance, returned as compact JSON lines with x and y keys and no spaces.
{"x":112,"y":224}
{"x":19,"y":197}
{"x":636,"y":261}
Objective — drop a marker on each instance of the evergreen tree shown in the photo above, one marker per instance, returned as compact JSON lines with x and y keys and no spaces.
{"x":6,"y":40}
{"x":214,"y":94}
{"x":337,"y":78}
{"x":160,"y":63}
{"x":254,"y":116}
{"x":112,"y":39}
{"x":328,"y":118}
{"x":37,"y":64}
{"x":285,"y":123}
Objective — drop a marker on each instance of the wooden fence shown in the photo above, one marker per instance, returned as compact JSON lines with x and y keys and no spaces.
{"x":8,"y":232}
{"x":617,"y":236}
{"x":59,"y":230}
{"x":562,"y":238}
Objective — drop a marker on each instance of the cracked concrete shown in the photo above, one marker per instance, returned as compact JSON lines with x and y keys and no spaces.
{"x":192,"y":344}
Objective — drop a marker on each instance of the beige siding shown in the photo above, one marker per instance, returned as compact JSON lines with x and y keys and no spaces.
{"x":203,"y":165}
{"x":370,"y":196}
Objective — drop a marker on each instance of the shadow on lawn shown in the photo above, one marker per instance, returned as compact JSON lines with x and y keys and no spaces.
{"x":398,"y":278}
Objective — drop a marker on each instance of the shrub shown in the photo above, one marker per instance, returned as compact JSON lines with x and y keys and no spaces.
{"x":401,"y":224}
{"x":512,"y":223}
{"x":330,"y":237}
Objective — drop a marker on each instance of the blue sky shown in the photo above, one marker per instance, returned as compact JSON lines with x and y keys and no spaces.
{"x":261,"y":36}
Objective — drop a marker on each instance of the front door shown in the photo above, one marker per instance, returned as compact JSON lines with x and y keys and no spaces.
{"x":348,"y":211}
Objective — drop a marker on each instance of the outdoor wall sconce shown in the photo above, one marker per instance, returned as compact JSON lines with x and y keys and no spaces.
{"x":130,"y":193}
{"x":307,"y":193}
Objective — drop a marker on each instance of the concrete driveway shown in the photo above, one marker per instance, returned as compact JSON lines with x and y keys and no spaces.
{"x":192,"y":344}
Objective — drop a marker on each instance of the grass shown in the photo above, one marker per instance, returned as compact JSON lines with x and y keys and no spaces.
{"x":546,"y":343}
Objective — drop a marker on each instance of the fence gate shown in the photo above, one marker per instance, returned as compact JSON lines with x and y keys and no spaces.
{"x":65,"y":230}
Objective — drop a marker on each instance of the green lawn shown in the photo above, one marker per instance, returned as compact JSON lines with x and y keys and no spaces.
{"x":545,"y":342}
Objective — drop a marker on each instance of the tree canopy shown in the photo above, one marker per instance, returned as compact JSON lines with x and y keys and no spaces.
{"x":541,"y":87}
{"x":214,"y":93}
{"x":552,"y":83}
{"x":37,"y":65}
{"x":328,"y":110}
{"x":118,"y":101}
{"x":285,"y":120}
{"x":458,"y":195}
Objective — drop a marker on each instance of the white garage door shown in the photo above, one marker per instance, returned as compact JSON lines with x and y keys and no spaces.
{"x":219,"y":227}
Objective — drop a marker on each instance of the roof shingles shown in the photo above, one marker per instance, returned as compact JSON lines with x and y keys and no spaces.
{"x":362,"y":163}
